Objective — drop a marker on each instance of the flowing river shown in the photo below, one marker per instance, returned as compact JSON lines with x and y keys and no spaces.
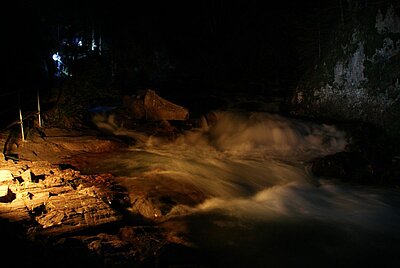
{"x":263,"y":207}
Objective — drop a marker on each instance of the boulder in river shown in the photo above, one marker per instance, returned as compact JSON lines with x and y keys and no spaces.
{"x":149,"y":106}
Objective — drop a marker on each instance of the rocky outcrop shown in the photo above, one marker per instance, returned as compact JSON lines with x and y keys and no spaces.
{"x":52,"y":215}
{"x":358,"y":79}
{"x":369,"y":158}
{"x":60,"y":217}
{"x":55,"y":201}
{"x":58,"y":145}
{"x":149,"y":106}
{"x":156,"y":197}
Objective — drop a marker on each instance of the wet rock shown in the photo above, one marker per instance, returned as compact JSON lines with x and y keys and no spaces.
{"x":149,"y":106}
{"x":155,"y":197}
{"x":147,"y":207}
{"x":63,"y":144}
{"x":347,"y":166}
{"x":370,"y":157}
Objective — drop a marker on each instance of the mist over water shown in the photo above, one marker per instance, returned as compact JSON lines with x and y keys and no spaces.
{"x":262,"y":205}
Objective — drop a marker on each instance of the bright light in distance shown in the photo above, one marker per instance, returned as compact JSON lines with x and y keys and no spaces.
{"x":56,"y":57}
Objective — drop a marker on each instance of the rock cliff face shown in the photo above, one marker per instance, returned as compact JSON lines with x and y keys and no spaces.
{"x":358,"y":79}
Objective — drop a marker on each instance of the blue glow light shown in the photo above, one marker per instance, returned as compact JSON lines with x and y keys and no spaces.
{"x":56,"y":57}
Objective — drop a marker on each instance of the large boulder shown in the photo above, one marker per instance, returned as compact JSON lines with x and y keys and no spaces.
{"x":149,"y":106}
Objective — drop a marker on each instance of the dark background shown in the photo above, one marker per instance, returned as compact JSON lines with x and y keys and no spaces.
{"x":220,"y":45}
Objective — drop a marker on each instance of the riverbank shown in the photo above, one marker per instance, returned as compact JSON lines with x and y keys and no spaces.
{"x":51,"y":214}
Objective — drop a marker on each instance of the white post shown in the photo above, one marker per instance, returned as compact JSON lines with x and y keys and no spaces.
{"x":100,"y":45}
{"x":38,"y":107}
{"x":20,"y":118}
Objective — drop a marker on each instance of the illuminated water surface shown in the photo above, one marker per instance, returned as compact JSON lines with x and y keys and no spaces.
{"x":263,"y":207}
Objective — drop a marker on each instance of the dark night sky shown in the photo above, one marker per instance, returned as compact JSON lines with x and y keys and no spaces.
{"x":221,"y":40}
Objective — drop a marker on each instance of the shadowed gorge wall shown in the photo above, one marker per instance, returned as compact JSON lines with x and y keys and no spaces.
{"x":358,"y":79}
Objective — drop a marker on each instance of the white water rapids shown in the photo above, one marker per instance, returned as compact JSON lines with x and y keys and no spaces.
{"x":263,"y":207}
